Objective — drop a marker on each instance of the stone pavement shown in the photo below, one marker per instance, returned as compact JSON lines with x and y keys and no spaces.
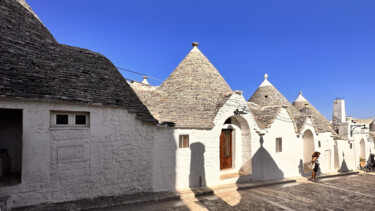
{"x":224,"y":197}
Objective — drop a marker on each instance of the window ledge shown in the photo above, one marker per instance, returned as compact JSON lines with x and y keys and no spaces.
{"x":70,"y":128}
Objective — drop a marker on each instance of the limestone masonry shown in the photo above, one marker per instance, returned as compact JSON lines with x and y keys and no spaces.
{"x":71,"y":127}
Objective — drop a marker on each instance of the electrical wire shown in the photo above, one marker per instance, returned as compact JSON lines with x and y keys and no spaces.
{"x":131,"y":71}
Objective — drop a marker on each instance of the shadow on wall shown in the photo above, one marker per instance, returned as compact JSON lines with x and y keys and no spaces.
{"x":164,"y":160}
{"x":197,"y":177}
{"x":344,"y":166}
{"x":263,"y":165}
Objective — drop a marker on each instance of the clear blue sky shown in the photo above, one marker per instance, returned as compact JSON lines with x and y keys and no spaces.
{"x":325,"y":48}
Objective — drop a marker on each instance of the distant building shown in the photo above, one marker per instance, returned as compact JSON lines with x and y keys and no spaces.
{"x":359,"y":133}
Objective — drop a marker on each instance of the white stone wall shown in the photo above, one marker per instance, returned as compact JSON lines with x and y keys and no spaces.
{"x":112,"y":156}
{"x":271,"y":164}
{"x":326,"y":150}
{"x":346,"y":155}
{"x":357,"y":137}
{"x":206,"y":170}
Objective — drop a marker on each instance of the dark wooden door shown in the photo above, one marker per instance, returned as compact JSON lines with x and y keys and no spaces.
{"x":226,"y":149}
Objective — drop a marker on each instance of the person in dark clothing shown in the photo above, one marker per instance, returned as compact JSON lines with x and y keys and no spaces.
{"x":315,"y":160}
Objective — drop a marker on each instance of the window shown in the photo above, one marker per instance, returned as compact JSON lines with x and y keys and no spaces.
{"x":80,"y":119}
{"x":319,"y":145}
{"x":184,"y":141}
{"x":351,"y":145}
{"x":279,"y":145}
{"x":69,"y":119}
{"x":62,"y":119}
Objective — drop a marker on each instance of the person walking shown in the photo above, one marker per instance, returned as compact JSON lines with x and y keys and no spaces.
{"x":315,"y":160}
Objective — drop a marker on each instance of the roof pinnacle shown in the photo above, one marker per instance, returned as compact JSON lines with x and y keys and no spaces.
{"x":195,"y":44}
{"x":300,"y":93}
{"x":265,"y":76}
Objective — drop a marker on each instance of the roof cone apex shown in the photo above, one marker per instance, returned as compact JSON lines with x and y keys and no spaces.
{"x":195,"y":47}
{"x":265,"y":82}
{"x":195,"y":70}
{"x":300,"y":98}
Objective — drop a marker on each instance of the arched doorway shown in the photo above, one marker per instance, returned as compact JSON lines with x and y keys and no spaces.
{"x":308,"y":148}
{"x":362,"y":149}
{"x":235,"y":144}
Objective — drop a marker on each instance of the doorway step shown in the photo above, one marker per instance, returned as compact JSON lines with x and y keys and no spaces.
{"x":235,"y":177}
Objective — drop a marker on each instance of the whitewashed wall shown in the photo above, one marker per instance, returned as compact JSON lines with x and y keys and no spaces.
{"x":188,"y":171}
{"x":116,"y":155}
{"x":326,"y":150}
{"x":270,"y":164}
{"x":346,"y":156}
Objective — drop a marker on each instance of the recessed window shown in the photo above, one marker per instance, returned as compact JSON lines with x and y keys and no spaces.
{"x":351,"y":145}
{"x":80,"y":119}
{"x":62,"y":119}
{"x":319,"y":144}
{"x":279,"y":145}
{"x":184,"y":141}
{"x":69,"y":119}
{"x":266,"y":96}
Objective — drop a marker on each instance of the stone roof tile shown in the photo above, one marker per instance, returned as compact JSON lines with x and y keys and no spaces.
{"x":320,"y":123}
{"x":190,"y":97}
{"x":267,"y":97}
{"x":35,"y":66}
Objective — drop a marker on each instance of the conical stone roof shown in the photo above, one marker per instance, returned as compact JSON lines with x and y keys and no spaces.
{"x":33,"y":65}
{"x":270,"y":102}
{"x":320,"y":123}
{"x":196,"y":73}
{"x":191,"y":96}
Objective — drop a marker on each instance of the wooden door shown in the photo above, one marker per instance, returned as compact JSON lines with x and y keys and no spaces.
{"x":226,"y":149}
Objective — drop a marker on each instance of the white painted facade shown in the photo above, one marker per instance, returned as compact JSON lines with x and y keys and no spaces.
{"x":296,"y":150}
{"x":118,"y":154}
{"x":191,"y":171}
{"x":269,"y":164}
{"x":112,"y":156}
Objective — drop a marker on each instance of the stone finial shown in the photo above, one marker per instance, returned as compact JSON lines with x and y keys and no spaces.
{"x":195,"y":44}
{"x":145,"y":80}
{"x":300,"y":93}
{"x":265,"y":76}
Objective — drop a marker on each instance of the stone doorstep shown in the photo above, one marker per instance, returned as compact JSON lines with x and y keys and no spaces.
{"x":232,"y":175}
{"x":112,"y":201}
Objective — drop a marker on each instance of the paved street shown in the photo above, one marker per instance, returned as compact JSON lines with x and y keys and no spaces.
{"x":356,"y":192}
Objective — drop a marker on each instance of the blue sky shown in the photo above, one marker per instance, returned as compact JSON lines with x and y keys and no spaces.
{"x":324,"y":48}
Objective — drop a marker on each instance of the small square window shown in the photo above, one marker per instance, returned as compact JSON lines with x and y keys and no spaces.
{"x":80,"y":119}
{"x":279,"y":145}
{"x":69,"y":119}
{"x":184,"y":141}
{"x":319,"y":144}
{"x":62,"y":119}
